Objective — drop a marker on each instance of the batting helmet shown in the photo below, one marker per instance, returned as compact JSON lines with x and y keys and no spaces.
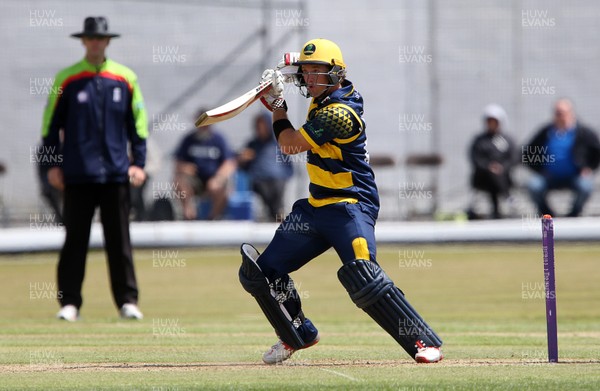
{"x":322,"y":52}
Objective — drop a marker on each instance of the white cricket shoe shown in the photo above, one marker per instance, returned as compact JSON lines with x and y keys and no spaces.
{"x":281,"y":351}
{"x":131,"y":311}
{"x":69,"y":313}
{"x":428,"y":355}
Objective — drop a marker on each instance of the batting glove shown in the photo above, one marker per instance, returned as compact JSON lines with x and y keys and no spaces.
{"x":274,"y":99}
{"x":288,"y":59}
{"x":287,"y":69}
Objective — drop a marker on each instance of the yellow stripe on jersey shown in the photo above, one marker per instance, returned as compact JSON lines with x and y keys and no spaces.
{"x":318,"y":202}
{"x":361,"y":248}
{"x":308,"y":138}
{"x":329,"y":151}
{"x":327,"y":179}
{"x":346,"y":140}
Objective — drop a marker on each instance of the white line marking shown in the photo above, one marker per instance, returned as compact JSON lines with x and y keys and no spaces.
{"x":339,"y":374}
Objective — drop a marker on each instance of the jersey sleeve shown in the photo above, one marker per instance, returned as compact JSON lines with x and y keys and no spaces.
{"x":138,"y":124}
{"x":139,"y":110}
{"x":331,"y":122}
{"x":53,"y":120}
{"x":50,"y":108}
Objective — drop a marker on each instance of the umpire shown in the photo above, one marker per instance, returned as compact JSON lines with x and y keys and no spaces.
{"x":94,"y":110}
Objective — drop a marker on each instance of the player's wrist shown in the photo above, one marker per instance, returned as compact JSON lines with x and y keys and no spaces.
{"x":280,"y":105}
{"x":280,"y":125}
{"x":273,"y":104}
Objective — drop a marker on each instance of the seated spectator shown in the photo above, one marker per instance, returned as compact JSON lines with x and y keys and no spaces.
{"x":563,"y":155}
{"x":492,"y":156}
{"x":268,"y":168}
{"x":204,"y":164}
{"x":139,"y":211}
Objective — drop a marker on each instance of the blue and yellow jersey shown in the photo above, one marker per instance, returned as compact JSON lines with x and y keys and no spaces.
{"x":338,"y":163}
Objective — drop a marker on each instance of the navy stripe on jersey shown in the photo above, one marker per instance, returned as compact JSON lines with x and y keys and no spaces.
{"x":337,"y":164}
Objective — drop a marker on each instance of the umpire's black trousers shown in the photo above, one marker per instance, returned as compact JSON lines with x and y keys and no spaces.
{"x":80,"y":202}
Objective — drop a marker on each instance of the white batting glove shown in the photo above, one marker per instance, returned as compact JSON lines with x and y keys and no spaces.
{"x":285,"y":66}
{"x":274,"y":99}
{"x":276,"y":78}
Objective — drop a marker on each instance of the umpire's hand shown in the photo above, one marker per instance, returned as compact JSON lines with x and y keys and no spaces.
{"x":56,"y":178}
{"x":137,"y":176}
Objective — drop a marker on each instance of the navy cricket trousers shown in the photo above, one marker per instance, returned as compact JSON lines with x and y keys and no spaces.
{"x":307,"y":232}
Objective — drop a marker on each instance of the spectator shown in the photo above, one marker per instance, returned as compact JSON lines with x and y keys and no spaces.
{"x":268,"y":168}
{"x":98,"y":105}
{"x":563,"y":155}
{"x":492,"y":156}
{"x":139,"y":210}
{"x":204,"y":164}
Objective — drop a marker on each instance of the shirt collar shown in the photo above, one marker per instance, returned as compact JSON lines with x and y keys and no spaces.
{"x":95,"y":68}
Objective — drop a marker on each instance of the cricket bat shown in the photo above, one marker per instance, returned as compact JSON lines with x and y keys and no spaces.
{"x":233,"y":108}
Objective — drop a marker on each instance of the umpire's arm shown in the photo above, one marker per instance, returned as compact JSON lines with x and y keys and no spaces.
{"x":137,"y":126}
{"x":137,"y":132}
{"x":53,"y":121}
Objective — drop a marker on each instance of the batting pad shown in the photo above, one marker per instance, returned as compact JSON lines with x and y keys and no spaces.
{"x":254,"y":282}
{"x":375,"y":293}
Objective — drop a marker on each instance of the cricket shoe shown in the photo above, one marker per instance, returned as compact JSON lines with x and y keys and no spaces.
{"x":131,"y":311}
{"x":282,"y":351}
{"x":69,"y":313}
{"x":428,"y":355}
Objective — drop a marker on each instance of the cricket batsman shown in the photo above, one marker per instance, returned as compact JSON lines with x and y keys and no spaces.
{"x":340,"y":212}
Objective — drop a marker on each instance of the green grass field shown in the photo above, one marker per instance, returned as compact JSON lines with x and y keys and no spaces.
{"x":202,"y":331}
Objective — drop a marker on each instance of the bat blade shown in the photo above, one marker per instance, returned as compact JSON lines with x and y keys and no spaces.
{"x":234,"y":107}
